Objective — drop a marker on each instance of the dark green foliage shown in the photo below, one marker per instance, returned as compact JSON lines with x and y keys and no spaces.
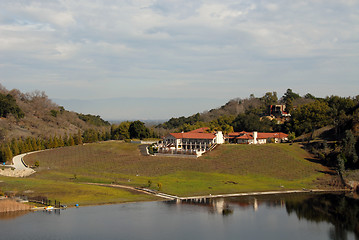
{"x":8,"y":105}
{"x":94,"y":120}
{"x":223,"y":123}
{"x":121,"y":132}
{"x":291,"y":136}
{"x":54,"y":113}
{"x":290,"y":95}
{"x":78,"y":138}
{"x":308,"y":117}
{"x":177,"y":122}
{"x":348,"y":152}
{"x":90,"y":135}
{"x":288,"y":99}
{"x":6,"y":153}
{"x":270,"y":99}
{"x":309,"y":96}
{"x":251,"y":122}
{"x":138,"y":129}
{"x":129,"y":130}
{"x":340,"y":210}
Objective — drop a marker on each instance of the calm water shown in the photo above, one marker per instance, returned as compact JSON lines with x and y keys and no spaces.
{"x":270,"y":217}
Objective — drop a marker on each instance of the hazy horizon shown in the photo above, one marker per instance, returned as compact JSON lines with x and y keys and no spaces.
{"x":180,"y":49}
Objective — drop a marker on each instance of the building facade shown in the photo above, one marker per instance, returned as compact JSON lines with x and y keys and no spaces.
{"x":256,"y":137}
{"x":195,"y":142}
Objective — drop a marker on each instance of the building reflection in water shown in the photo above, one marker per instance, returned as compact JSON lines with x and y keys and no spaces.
{"x":337,"y":209}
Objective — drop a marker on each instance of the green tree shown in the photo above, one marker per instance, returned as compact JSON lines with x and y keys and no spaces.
{"x":34,"y":144}
{"x":290,"y":95}
{"x":270,"y":98}
{"x":306,"y":118}
{"x":251,"y":122}
{"x":348,"y":151}
{"x":138,"y":129}
{"x":65,"y":139}
{"x":71,"y":141}
{"x":8,"y":105}
{"x":54,"y":113}
{"x":21,"y":146}
{"x":291,"y":136}
{"x":14,"y":147}
{"x":90,"y":135}
{"x":78,"y":138}
{"x":6,"y":154}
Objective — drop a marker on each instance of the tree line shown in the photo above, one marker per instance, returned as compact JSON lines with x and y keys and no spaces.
{"x":125,"y":130}
{"x":309,"y":114}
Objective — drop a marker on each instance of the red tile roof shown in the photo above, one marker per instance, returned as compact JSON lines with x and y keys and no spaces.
{"x":249,"y":135}
{"x":246,"y":136}
{"x":272,"y":135}
{"x":193,"y":135}
{"x":200,"y":130}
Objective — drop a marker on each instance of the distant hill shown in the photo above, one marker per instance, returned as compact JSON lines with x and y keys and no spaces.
{"x":34,"y":114}
{"x":309,"y":113}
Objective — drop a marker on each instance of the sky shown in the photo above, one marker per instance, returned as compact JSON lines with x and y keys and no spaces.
{"x":177,"y":57}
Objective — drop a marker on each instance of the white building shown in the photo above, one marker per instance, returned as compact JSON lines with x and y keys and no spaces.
{"x":195,"y":142}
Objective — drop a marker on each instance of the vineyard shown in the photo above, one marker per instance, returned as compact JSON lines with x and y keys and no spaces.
{"x":62,"y":173}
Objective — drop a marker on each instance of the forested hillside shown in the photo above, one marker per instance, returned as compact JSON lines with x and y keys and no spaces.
{"x":35,"y":115}
{"x":31,"y":122}
{"x":333,"y":122}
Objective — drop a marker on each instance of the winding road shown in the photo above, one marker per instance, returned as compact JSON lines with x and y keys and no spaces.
{"x":18,"y":168}
{"x":18,"y":162}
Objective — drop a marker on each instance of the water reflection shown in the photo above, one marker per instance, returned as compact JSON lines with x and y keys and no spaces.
{"x":271,"y":217}
{"x":12,"y":215}
{"x":341,"y":211}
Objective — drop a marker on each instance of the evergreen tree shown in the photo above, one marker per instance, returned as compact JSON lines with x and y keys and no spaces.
{"x":348,"y":149}
{"x":34,"y":144}
{"x":71,"y":141}
{"x":65,"y":140}
{"x":138,"y":130}
{"x":21,"y":146}
{"x":78,"y":138}
{"x":90,"y":135}
{"x":14,"y":147}
{"x":55,"y":142}
{"x":40,"y":144}
{"x":7,"y":154}
{"x":60,"y":142}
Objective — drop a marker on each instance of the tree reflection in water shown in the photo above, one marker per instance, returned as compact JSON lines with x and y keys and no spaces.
{"x":337,"y":209}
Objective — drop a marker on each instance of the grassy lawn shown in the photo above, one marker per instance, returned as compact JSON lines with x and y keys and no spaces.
{"x":227,"y":169}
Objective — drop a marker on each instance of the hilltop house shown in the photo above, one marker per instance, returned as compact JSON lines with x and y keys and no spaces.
{"x":195,"y":142}
{"x":256,"y":137}
{"x":278,"y":111}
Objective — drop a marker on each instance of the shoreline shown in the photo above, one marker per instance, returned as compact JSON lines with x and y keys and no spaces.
{"x":174,"y":197}
{"x":195,"y":198}
{"x":229,"y":195}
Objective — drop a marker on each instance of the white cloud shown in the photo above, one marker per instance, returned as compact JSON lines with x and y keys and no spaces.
{"x":152,"y":47}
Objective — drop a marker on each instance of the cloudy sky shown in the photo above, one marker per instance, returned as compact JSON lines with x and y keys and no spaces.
{"x":177,"y":54}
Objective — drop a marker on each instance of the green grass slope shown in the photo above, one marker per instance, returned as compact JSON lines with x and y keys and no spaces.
{"x":227,"y":169}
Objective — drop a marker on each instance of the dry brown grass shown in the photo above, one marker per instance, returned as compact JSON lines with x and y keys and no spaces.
{"x":8,"y":205}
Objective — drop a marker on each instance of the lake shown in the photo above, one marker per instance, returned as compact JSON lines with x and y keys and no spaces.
{"x":292,"y":216}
